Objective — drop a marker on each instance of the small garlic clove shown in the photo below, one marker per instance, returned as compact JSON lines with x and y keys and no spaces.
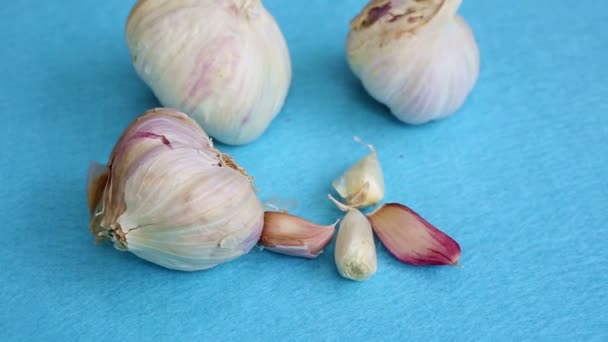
{"x":412,"y":239}
{"x":363,"y":184}
{"x":355,"y":252}
{"x":291,"y":235}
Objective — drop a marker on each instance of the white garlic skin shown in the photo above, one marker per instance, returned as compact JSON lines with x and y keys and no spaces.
{"x":422,"y":65}
{"x":171,"y":198}
{"x":355,"y":250}
{"x":193,"y":219}
{"x":223,"y":62}
{"x":362,"y":185}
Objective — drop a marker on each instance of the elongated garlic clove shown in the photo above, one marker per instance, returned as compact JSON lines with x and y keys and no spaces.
{"x":169,"y":197}
{"x":412,"y":239}
{"x":355,"y":251}
{"x":419,"y":58}
{"x":224,"y":62}
{"x":363,"y":184}
{"x":291,"y":235}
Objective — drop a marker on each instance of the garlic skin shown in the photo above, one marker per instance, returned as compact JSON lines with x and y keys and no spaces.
{"x":223,"y":62}
{"x":355,"y":251}
{"x":362,"y":185}
{"x":419,"y":58}
{"x":169,"y":197}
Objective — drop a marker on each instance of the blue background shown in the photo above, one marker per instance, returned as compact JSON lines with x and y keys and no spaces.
{"x":518,"y":177}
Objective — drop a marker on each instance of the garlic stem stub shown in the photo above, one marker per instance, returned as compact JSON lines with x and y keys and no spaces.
{"x":223,"y":62}
{"x":287,"y":234}
{"x":418,"y":57}
{"x":355,"y":251}
{"x":411,"y":239}
{"x":169,"y":197}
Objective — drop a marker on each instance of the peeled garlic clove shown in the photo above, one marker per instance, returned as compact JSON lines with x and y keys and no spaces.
{"x":173,"y":199}
{"x":224,"y":62}
{"x":291,"y":235}
{"x":355,"y":251}
{"x":363,"y":184}
{"x":418,"y":57}
{"x":411,"y":239}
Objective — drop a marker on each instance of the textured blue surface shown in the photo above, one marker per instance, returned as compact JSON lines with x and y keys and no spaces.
{"x":518,"y":177}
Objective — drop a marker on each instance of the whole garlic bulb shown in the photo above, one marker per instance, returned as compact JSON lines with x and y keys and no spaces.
{"x":168,"y":196}
{"x":416,"y":56}
{"x":224,"y":62}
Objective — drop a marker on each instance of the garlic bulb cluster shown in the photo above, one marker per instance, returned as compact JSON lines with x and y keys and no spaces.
{"x":168,"y":196}
{"x":418,"y":57}
{"x":224,"y":62}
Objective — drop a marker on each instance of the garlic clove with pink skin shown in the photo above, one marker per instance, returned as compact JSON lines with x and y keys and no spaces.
{"x":411,"y":239}
{"x":223,"y":62}
{"x":291,"y":235}
{"x":169,"y":197}
{"x":419,"y":58}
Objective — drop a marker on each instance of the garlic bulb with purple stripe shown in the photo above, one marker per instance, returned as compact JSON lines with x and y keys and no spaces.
{"x":418,"y":57}
{"x":223,"y":62}
{"x":168,"y":196}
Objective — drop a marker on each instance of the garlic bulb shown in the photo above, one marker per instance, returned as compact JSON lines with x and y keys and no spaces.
{"x":168,"y":196}
{"x":224,"y":62}
{"x":418,"y":57}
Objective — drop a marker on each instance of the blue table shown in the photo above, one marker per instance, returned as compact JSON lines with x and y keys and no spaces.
{"x":518,"y":177}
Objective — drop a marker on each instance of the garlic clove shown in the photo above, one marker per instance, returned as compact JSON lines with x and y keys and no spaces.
{"x":291,"y":235}
{"x":173,"y":199}
{"x":412,"y":239}
{"x":363,"y":184}
{"x":419,"y":58}
{"x":355,"y":251}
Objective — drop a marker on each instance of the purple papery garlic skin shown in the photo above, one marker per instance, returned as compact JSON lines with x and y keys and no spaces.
{"x":411,"y":239}
{"x":376,"y":13}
